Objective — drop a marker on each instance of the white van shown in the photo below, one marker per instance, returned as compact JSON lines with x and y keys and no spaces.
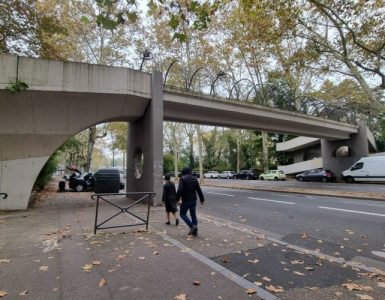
{"x":366,"y":169}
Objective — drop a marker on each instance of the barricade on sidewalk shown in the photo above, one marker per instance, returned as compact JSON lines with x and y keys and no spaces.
{"x":122,"y":209}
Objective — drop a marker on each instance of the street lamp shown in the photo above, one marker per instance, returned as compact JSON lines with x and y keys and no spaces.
{"x":220,"y":74}
{"x":146,"y":56}
{"x":193,"y":75}
{"x":168,"y":70}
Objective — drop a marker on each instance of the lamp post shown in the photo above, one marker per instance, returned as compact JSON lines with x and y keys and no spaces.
{"x":168,"y":70}
{"x":146,"y":56}
{"x":220,"y":74}
{"x":193,"y":75}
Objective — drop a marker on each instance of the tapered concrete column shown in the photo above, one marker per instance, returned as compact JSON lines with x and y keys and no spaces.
{"x":358,"y":144}
{"x":145,"y":145}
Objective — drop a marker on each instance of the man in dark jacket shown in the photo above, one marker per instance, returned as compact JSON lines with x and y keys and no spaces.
{"x":187,"y":190}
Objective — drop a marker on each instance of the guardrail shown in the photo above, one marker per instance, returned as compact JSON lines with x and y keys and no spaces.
{"x":122,"y":209}
{"x":4,"y":195}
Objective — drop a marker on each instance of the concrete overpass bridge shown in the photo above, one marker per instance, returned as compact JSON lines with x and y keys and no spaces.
{"x":65,"y":98}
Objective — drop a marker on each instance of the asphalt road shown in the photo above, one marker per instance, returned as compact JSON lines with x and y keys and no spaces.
{"x":351,"y":187}
{"x":341,"y":227}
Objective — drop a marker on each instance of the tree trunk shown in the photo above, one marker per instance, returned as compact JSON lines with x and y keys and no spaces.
{"x":90,"y":149}
{"x":265,"y":151}
{"x":200,"y":155}
{"x":238,"y":151}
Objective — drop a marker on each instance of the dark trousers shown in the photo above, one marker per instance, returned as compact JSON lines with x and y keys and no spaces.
{"x":191,"y":206}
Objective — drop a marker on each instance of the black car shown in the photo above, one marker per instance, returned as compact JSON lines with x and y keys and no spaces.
{"x":245,"y":174}
{"x":80,"y":182}
{"x":317,"y":175}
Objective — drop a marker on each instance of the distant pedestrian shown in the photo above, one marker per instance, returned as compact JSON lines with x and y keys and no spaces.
{"x":187,"y":190}
{"x":169,"y":199}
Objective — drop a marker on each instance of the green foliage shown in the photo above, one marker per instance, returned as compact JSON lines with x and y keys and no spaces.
{"x":168,"y":163}
{"x":17,"y":87}
{"x":46,"y":172}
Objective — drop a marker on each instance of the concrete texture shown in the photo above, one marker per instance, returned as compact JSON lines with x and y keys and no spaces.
{"x":358,"y":145}
{"x":189,"y":107}
{"x":146,"y":135}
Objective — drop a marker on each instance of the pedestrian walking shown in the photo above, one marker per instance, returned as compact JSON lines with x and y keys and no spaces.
{"x":188,"y":189}
{"x":169,"y":199}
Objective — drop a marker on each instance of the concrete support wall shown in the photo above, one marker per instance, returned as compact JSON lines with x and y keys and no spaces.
{"x":358,"y":143}
{"x":146,"y":134}
{"x":17,"y":178}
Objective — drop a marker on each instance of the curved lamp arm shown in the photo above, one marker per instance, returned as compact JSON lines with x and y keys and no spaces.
{"x":168,"y":70}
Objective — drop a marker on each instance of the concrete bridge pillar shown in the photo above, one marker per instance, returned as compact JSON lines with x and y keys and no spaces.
{"x":145,"y":145}
{"x":358,"y":147}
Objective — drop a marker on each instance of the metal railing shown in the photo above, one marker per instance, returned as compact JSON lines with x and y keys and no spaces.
{"x":4,"y":195}
{"x":122,"y":209}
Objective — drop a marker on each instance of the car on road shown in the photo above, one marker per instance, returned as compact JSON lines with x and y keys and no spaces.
{"x":245,"y":174}
{"x":318,"y":174}
{"x":370,"y":168}
{"x":227,"y":175}
{"x":211,"y":174}
{"x":273,"y":175}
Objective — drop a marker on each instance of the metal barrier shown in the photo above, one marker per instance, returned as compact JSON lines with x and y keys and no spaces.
{"x":4,"y":195}
{"x":122,"y":209}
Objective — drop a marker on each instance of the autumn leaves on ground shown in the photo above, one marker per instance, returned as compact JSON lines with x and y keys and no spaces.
{"x":52,"y":252}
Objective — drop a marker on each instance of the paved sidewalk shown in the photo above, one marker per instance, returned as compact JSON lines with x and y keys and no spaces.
{"x":50,"y":252}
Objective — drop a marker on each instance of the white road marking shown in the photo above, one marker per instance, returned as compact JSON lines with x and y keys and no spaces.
{"x":284,"y":195}
{"x":269,"y":200}
{"x":310,"y":197}
{"x":352,"y":211}
{"x":219,"y":194}
{"x":352,"y":202}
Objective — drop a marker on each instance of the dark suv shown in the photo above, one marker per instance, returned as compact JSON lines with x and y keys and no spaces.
{"x":245,"y":174}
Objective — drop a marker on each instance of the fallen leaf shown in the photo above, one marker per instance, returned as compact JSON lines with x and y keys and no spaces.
{"x":141,"y":257}
{"x":3,"y":293}
{"x":96,"y":262}
{"x":356,"y":287}
{"x":274,"y":289}
{"x":299,"y":273}
{"x":309,"y":268}
{"x":102,"y":282}
{"x":24,"y":293}
{"x":5,"y":261}
{"x":55,"y":289}
{"x":253,"y":261}
{"x":87,"y":268}
{"x":121,"y":256}
{"x":196,"y":282}
{"x":43,"y":268}
{"x":225,"y":259}
{"x":258,"y":283}
{"x":364,"y":297}
{"x":251,"y":291}
{"x":181,"y":297}
{"x":304,"y":236}
{"x":266,"y":278}
{"x":381,"y":284}
{"x":297,"y":262}
{"x":155,"y":252}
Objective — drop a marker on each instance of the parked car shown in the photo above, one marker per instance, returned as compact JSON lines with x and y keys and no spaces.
{"x":172,"y":174}
{"x":211,"y":174}
{"x":317,"y":175}
{"x":370,"y":168}
{"x":227,"y":174}
{"x":245,"y":174}
{"x":273,"y":175}
{"x":80,"y":182}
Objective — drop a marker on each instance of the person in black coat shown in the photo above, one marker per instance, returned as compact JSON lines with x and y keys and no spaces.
{"x":188,"y":189}
{"x":169,"y":199}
